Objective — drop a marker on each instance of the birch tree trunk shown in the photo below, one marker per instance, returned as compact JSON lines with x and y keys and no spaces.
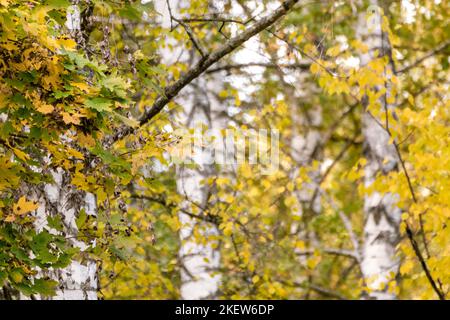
{"x":198,"y":258}
{"x":382,"y":216}
{"x":78,"y":281}
{"x":306,"y":148}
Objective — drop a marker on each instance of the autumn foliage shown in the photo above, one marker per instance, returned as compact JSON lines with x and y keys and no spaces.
{"x":87,"y":177}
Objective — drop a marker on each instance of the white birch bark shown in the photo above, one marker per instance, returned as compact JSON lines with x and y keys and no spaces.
{"x":199,"y":260}
{"x":379,"y":263}
{"x":78,"y":281}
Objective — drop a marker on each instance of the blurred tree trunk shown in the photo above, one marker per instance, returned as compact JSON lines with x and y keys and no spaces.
{"x":382,"y":216}
{"x":199,"y":259}
{"x":78,"y":280}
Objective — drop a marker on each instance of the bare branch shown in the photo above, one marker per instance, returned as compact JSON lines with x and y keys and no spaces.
{"x":431,"y":53}
{"x":323,"y":291}
{"x":214,"y":18}
{"x":341,"y":154}
{"x":164,"y":203}
{"x":348,"y":226}
{"x":327,"y":292}
{"x":229,"y":67}
{"x":194,"y":41}
{"x":332,"y":251}
{"x":202,"y":65}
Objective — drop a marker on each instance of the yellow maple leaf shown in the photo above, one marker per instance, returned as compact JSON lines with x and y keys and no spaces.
{"x":4,"y":3}
{"x":23,"y":206}
{"x":20,"y":154}
{"x":45,"y":108}
{"x":10,"y":46}
{"x":69,"y":118}
{"x":80,"y":85}
{"x":86,"y":140}
{"x":75,"y":153}
{"x":10,"y":218}
{"x":66,"y":43}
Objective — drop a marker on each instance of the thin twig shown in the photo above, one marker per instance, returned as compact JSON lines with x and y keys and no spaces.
{"x":201,"y":66}
{"x":238,"y":66}
{"x":431,"y":53}
{"x":337,"y":252}
{"x":409,"y":232}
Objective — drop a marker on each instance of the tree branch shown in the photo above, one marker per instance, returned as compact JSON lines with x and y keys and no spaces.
{"x":348,"y":226}
{"x":409,"y":231}
{"x":202,"y":65}
{"x":326,"y":292}
{"x":431,"y":53}
{"x":323,"y":291}
{"x":191,"y":36}
{"x":331,"y":251}
{"x":238,"y":66}
{"x":214,"y":19}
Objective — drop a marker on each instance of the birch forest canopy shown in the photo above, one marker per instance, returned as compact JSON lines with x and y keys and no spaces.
{"x":226,"y":149}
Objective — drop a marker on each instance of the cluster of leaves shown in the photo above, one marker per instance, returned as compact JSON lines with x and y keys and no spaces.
{"x":58,"y":103}
{"x":255,"y":214}
{"x":64,"y":94}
